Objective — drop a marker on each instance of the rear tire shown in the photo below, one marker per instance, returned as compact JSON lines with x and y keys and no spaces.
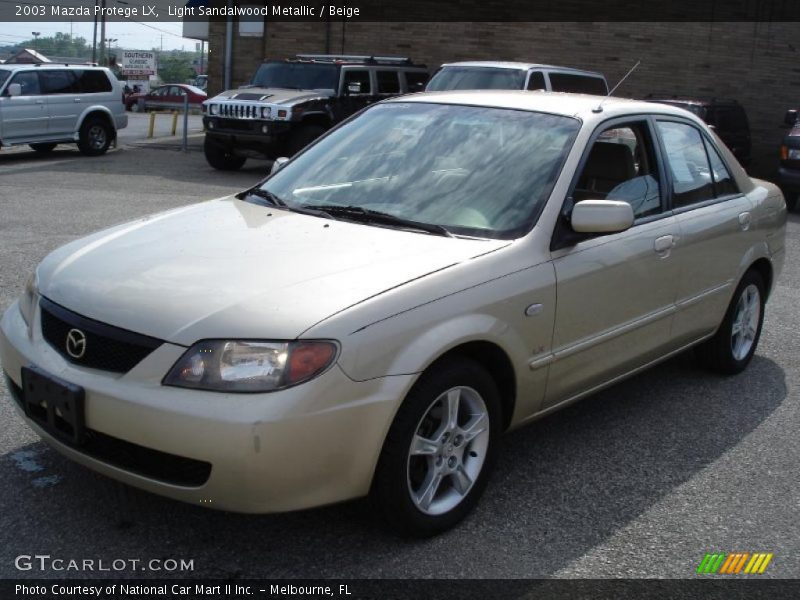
{"x":221,"y":159}
{"x":304,"y":135}
{"x":43,"y":148}
{"x":95,"y":137}
{"x":733,"y":346}
{"x":440,"y":449}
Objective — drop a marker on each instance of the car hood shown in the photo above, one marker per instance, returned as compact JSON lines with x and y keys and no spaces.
{"x":232,"y":269}
{"x":272,"y":95}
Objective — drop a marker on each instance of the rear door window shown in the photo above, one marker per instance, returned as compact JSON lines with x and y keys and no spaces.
{"x":57,"y":81}
{"x":388,"y":82}
{"x":687,"y":163}
{"x":723,"y":182}
{"x":415,"y":80}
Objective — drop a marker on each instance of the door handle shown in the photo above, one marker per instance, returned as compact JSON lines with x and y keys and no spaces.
{"x":77,"y":100}
{"x":39,"y":101}
{"x":664,"y":243}
{"x":744,"y":221}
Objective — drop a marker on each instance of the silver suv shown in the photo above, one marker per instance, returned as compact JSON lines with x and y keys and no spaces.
{"x":501,"y":75}
{"x":45,"y":104}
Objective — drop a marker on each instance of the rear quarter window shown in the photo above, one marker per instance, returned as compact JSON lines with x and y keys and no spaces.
{"x":578,"y":84}
{"x":92,"y":82}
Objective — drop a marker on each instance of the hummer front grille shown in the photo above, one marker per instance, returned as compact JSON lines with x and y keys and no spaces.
{"x":240,"y":111}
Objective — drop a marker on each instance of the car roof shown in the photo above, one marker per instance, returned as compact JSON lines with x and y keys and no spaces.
{"x":519,"y":66}
{"x":582,"y":106}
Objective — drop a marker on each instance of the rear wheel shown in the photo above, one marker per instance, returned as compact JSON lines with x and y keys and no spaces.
{"x":219,"y":158}
{"x":43,"y":148}
{"x":95,"y":137}
{"x":440,"y":449}
{"x":733,"y":346}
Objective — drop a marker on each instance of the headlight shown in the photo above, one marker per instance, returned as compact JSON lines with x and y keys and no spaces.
{"x":213,"y":109}
{"x":266,"y":111}
{"x":27,"y":303}
{"x":250,"y":366}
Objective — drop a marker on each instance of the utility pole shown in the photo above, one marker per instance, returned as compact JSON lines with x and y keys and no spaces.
{"x":36,"y":35}
{"x":103,"y":33}
{"x":94,"y":35}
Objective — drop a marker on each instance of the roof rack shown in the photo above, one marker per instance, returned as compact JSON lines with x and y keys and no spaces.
{"x":398,"y":60}
{"x":58,"y":64}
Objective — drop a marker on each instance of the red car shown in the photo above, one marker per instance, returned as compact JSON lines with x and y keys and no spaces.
{"x":166,"y":97}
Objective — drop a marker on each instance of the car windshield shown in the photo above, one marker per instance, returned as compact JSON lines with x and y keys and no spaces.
{"x":4,"y":73}
{"x":476,"y":78}
{"x":296,"y":76}
{"x":475,"y":171}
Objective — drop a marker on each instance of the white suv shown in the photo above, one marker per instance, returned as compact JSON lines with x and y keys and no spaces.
{"x":46,"y":104}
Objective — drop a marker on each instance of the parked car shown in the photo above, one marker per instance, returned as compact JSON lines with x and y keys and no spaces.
{"x":289,"y":103}
{"x":789,"y":169}
{"x":46,"y":104}
{"x":167,"y":97}
{"x":375,"y":313}
{"x":494,"y":75}
{"x":727,"y":117}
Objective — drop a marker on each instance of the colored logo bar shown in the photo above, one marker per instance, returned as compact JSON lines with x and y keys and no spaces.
{"x":734,"y":563}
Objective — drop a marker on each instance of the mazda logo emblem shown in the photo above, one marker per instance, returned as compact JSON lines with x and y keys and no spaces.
{"x":76,"y":343}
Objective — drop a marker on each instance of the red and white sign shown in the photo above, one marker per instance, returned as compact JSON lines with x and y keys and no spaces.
{"x":138,"y":62}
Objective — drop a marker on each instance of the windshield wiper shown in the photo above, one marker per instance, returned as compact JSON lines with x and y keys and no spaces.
{"x":265,"y":195}
{"x":366,"y":215}
{"x":279,"y":202}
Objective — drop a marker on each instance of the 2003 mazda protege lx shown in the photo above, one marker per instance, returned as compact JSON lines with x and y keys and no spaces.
{"x":372,"y":316}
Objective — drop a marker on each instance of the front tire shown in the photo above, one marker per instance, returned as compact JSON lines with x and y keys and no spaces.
{"x":94,"y":137}
{"x":440,"y":449}
{"x":733,"y":346}
{"x":221,"y":159}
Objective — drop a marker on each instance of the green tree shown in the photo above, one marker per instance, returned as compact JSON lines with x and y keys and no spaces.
{"x":60,"y":44}
{"x":174,"y":69}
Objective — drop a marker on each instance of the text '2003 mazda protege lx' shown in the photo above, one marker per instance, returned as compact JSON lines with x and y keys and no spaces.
{"x":372,"y":316}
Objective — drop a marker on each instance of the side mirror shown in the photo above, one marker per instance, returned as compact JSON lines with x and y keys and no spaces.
{"x":277,"y":164}
{"x":790,"y":118}
{"x":602,"y":216}
{"x":14,"y":89}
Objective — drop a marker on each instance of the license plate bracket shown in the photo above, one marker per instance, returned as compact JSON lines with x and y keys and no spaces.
{"x":54,"y":404}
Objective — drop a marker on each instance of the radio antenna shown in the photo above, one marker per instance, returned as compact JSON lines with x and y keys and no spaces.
{"x":614,"y":89}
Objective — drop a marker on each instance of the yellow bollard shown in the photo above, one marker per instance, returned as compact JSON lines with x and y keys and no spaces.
{"x":152,"y":124}
{"x":174,"y":122}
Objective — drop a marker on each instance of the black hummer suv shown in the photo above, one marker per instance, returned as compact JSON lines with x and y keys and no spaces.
{"x":289,"y":103}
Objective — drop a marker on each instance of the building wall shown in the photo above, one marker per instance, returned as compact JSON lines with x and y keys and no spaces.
{"x":756,"y":63}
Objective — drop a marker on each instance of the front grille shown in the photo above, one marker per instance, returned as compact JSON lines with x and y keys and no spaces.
{"x":104,"y":347}
{"x":161,"y":466}
{"x":239,"y":111}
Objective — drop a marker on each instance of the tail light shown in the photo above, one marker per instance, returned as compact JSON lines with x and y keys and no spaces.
{"x":784,"y":153}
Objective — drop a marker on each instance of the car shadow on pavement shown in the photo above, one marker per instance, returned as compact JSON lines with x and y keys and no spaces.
{"x":562,"y":486}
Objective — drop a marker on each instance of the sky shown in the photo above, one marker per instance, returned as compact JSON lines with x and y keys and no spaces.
{"x":139,"y":36}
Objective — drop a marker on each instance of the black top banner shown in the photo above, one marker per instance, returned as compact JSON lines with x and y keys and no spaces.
{"x":404,"y":10}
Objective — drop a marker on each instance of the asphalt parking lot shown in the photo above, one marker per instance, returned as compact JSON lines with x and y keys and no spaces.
{"x":640,"y":480}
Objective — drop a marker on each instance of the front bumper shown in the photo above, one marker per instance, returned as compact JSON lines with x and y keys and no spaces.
{"x":306,"y":446}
